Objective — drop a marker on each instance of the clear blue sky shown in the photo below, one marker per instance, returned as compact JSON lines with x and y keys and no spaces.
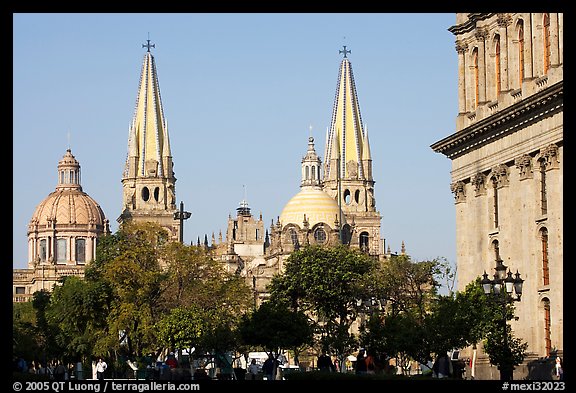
{"x":240,"y":92}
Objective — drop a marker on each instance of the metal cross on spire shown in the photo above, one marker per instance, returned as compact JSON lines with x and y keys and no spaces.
{"x":148,"y":45}
{"x":345,"y":51}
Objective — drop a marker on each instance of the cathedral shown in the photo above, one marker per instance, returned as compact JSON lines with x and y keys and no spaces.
{"x":335,"y":203}
{"x":507,"y":159}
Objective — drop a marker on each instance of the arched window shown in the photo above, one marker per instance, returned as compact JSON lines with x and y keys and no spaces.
{"x":547,"y":340}
{"x":320,"y":235}
{"x":347,"y":197}
{"x":497,"y":65}
{"x":546,"y":39}
{"x":307,"y":172}
{"x":145,"y":194}
{"x":294,"y":237}
{"x":520,"y":52}
{"x":496,"y":247}
{"x":313,"y":173}
{"x":345,"y":234}
{"x":545,"y":268}
{"x":364,"y":238}
{"x":476,"y":77}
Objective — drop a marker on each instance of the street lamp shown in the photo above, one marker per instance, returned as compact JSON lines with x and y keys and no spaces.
{"x":182,"y":215}
{"x":503,"y":284}
{"x":505,"y":289}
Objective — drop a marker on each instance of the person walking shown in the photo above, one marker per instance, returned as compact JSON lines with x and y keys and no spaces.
{"x":361,"y":367}
{"x":325,"y":362}
{"x":101,"y":367}
{"x":269,"y":367}
{"x":253,"y":370}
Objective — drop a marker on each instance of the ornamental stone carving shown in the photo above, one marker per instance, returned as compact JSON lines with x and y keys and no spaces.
{"x":500,"y":172}
{"x":504,"y":20}
{"x":479,"y":182}
{"x":461,"y":47}
{"x":524,"y":165}
{"x":550,"y":156}
{"x":481,"y":34}
{"x":459,"y":191}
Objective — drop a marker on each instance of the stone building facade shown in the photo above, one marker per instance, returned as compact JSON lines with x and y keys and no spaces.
{"x":507,"y":168}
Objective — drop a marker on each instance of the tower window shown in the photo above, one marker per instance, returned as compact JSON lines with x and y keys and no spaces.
{"x":364,"y":237}
{"x":347,"y":197}
{"x":145,"y":194}
{"x":156,"y":194}
{"x":357,"y":196}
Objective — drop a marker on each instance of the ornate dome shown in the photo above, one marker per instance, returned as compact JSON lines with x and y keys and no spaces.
{"x":313,"y":203}
{"x":68,"y":205}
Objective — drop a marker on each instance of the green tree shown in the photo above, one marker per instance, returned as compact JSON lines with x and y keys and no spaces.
{"x":274,"y":326}
{"x":403,"y":292}
{"x":129,"y":264}
{"x":326,"y":283}
{"x":27,"y":341}
{"x":78,"y":308}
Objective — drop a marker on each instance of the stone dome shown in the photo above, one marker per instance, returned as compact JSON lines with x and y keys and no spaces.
{"x":68,"y":205}
{"x":313,"y":202}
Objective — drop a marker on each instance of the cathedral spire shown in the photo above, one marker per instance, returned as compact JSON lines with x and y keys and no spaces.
{"x":346,"y":127}
{"x":148,"y":143}
{"x":348,"y":164}
{"x":148,"y":180}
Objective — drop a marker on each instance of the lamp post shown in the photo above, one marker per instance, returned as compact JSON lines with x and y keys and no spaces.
{"x":506,"y":290}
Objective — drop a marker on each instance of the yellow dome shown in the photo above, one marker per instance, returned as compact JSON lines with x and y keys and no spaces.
{"x":69,"y":208}
{"x":315,"y":204}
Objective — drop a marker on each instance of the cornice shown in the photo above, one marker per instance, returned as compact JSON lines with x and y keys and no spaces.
{"x":505,"y":122}
{"x":470,"y":24}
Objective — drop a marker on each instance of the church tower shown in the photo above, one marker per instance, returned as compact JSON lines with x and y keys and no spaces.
{"x":148,"y":181}
{"x":348,"y":164}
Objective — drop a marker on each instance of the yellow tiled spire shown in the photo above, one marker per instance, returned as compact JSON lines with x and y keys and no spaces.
{"x":346,"y":139}
{"x":148,"y":143}
{"x":149,"y":185}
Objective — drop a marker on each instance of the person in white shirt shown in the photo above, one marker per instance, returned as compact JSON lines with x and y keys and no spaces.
{"x":101,"y":366}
